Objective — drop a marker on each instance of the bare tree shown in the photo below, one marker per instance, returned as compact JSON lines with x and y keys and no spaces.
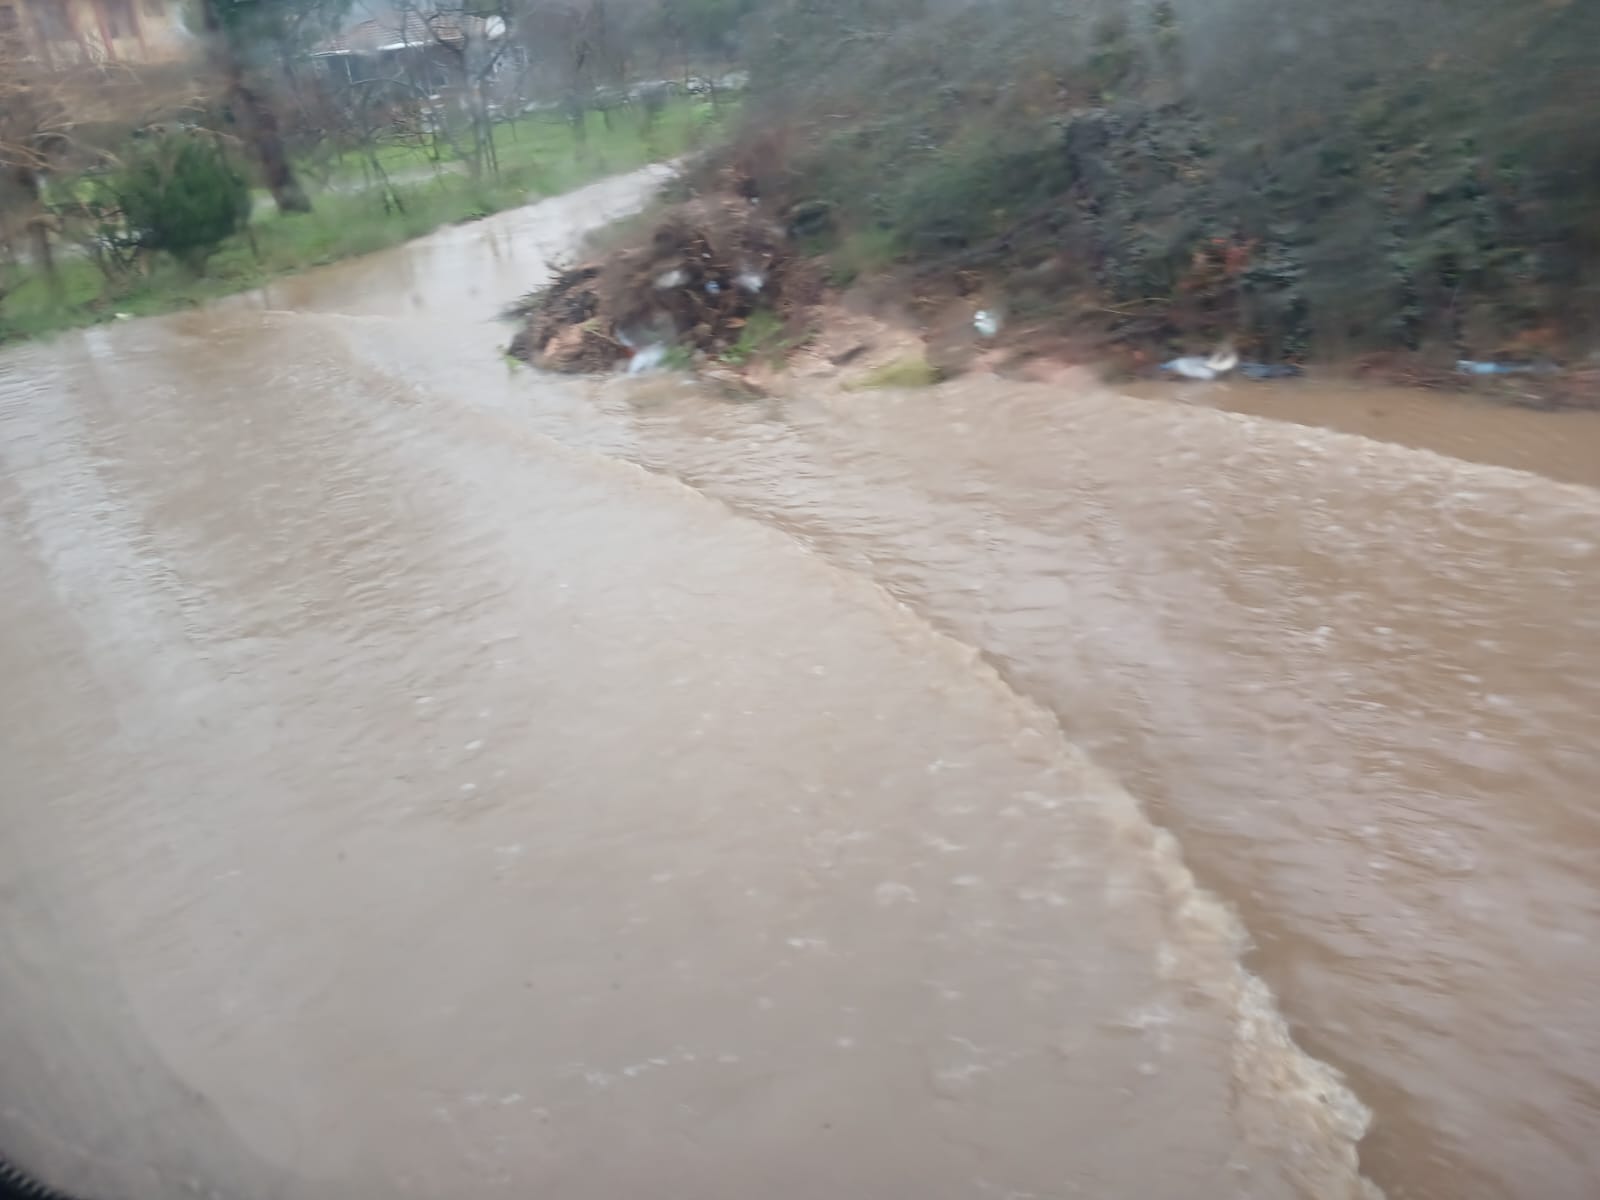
{"x":31,"y":122}
{"x":43,"y":108}
{"x":471,"y":37}
{"x":241,"y":34}
{"x":581,"y":49}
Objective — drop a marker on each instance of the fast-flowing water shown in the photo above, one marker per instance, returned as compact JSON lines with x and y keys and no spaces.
{"x":426,"y":778}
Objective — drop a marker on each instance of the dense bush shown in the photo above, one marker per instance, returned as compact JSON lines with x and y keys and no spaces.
{"x":180,"y":194}
{"x":976,"y":185}
{"x":1300,"y":176}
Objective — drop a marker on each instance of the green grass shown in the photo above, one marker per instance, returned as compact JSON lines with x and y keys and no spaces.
{"x":542,"y":140}
{"x":677,"y":358}
{"x":538,"y":157}
{"x":861,"y":252}
{"x":902,"y":373}
{"x":763,"y":333}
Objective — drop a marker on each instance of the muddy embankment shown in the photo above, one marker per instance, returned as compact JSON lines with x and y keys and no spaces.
{"x":738,"y":293}
{"x":1391,"y":194}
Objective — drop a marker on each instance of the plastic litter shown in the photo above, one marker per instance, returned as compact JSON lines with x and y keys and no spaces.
{"x":676,"y":277}
{"x":1467,"y":366}
{"x":1203,"y":369}
{"x":750,"y":281}
{"x":647,"y":359}
{"x":986,"y":322}
{"x":1255,"y":370}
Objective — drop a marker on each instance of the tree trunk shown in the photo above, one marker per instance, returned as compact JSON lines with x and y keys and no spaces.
{"x":257,"y":120}
{"x":42,"y":252}
{"x":44,"y":258}
{"x":260,"y":125}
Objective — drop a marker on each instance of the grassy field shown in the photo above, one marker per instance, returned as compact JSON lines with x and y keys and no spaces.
{"x":538,"y":156}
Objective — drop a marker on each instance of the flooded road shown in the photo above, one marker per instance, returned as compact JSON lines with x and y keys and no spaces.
{"x":427,"y":778}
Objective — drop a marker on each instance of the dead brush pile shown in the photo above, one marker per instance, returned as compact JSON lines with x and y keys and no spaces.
{"x":706,"y":268}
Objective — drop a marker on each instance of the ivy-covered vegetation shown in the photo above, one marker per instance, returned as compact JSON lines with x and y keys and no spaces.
{"x":1302,"y":177}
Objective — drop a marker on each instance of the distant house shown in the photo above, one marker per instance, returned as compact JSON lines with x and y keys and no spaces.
{"x":63,"y":32}
{"x":437,"y":51}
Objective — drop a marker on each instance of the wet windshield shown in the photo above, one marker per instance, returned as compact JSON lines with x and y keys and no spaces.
{"x":786,"y":598}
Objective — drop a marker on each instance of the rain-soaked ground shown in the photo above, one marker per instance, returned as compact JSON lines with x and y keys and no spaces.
{"x":426,"y":778}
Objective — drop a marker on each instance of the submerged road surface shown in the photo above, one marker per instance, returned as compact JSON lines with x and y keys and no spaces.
{"x":424,"y":779}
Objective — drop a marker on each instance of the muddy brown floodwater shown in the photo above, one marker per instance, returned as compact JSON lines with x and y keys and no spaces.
{"x":422,"y":778}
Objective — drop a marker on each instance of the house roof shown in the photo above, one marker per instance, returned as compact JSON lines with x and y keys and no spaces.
{"x":415,"y":29}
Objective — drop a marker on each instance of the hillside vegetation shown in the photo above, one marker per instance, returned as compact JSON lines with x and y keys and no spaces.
{"x":1303,"y":177}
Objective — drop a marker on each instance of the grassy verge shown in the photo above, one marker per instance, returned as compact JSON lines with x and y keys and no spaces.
{"x":538,"y":157}
{"x":902,"y":373}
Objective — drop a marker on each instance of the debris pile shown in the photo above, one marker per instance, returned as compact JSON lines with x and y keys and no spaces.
{"x":706,"y":268}
{"x":560,"y":325}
